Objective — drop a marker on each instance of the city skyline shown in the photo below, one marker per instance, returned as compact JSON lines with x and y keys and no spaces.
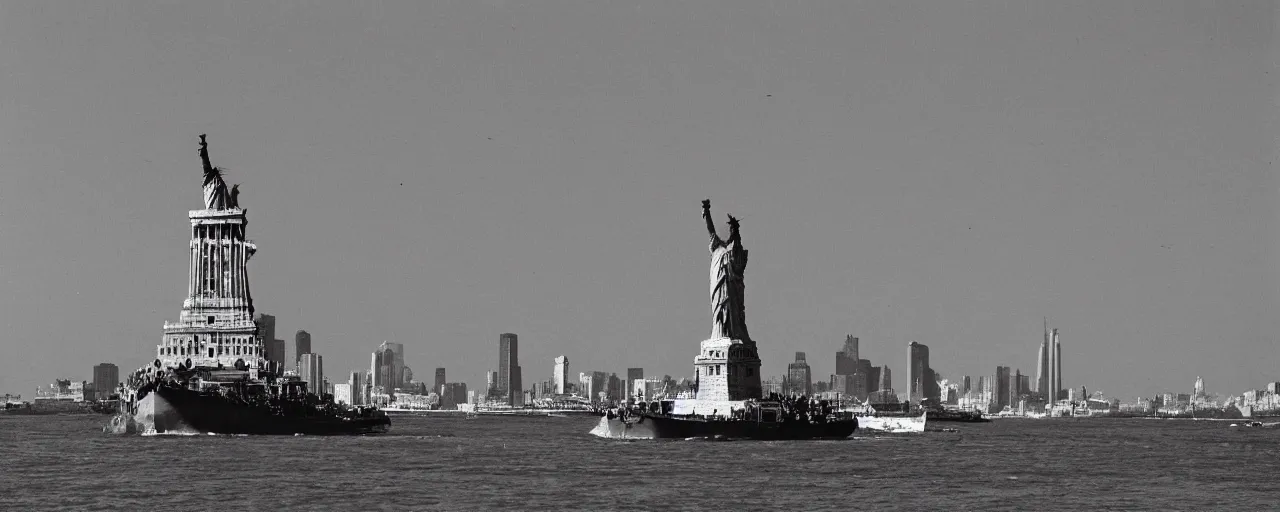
{"x":944,"y":174}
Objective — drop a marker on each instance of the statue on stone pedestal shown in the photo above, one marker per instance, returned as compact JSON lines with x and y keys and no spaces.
{"x":216,"y":196}
{"x":728,"y":263}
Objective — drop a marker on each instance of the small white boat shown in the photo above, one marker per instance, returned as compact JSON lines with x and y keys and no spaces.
{"x":892,"y":424}
{"x":871,"y":420}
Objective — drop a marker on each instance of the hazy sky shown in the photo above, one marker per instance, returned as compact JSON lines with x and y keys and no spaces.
{"x":437,"y":173}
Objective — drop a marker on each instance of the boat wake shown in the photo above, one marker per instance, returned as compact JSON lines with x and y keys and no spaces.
{"x":153,"y":433}
{"x":119,"y":424}
{"x":708,"y":438}
{"x":618,"y":429}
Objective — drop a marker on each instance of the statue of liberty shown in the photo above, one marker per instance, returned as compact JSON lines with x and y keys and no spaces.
{"x":728,"y":262}
{"x":216,"y":196}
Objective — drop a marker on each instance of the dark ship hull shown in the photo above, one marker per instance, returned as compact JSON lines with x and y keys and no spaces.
{"x":172,"y":409}
{"x":760,"y":423}
{"x":682,"y":428}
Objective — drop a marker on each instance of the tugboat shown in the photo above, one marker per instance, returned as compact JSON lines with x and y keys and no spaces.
{"x":727,"y":401}
{"x":211,"y":373}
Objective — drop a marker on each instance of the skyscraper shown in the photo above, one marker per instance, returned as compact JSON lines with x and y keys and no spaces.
{"x":1049,"y":370}
{"x":1042,"y":364}
{"x":560,"y":375}
{"x":452,"y":394}
{"x":273,"y":348}
{"x":311,"y":370}
{"x":854,"y":374}
{"x":799,"y":378}
{"x":359,"y":391}
{"x":1002,"y":379}
{"x":106,"y":377}
{"x":920,"y":377}
{"x":382,"y":369}
{"x":508,"y":360}
{"x":491,"y":381}
{"x":439,"y":381}
{"x":395,"y":374}
{"x":301,"y":345}
{"x":517,"y":390}
{"x":1057,"y":367}
{"x":847,"y":357}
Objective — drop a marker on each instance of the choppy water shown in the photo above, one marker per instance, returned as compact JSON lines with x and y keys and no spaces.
{"x":540,"y":463}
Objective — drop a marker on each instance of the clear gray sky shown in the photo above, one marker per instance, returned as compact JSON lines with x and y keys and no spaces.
{"x":437,"y":173}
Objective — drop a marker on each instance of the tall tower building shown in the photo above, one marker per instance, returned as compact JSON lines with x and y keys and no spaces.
{"x":1042,"y":365}
{"x":560,"y":374}
{"x":799,"y":376}
{"x":1055,"y":366}
{"x":1002,"y":382}
{"x":106,"y":377}
{"x":917,"y":371}
{"x":216,"y":324}
{"x":272,"y":348}
{"x":383,"y":369}
{"x":437,"y":386}
{"x":359,"y":388}
{"x":847,"y":357}
{"x":517,"y":389}
{"x":391,"y":355}
{"x":301,"y":345}
{"x":873,"y":379}
{"x":311,"y":370}
{"x":508,"y":360}
{"x":1049,"y":372}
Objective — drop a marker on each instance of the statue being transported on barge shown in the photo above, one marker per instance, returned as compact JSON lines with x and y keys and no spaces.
{"x":210,"y":373}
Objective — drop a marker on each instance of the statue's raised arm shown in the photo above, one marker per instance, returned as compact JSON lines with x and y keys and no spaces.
{"x":711,"y":226}
{"x":204,"y":156}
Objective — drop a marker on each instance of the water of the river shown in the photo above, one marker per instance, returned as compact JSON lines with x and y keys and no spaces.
{"x":543,"y":463}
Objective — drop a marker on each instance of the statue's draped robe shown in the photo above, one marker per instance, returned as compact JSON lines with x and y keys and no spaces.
{"x":215,"y":193}
{"x":728,"y":309}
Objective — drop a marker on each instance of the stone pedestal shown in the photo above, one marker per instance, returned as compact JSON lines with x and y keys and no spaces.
{"x":216,"y":325}
{"x":727,"y":369}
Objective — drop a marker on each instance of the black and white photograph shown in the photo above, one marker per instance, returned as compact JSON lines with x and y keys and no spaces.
{"x":1001,"y":255}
